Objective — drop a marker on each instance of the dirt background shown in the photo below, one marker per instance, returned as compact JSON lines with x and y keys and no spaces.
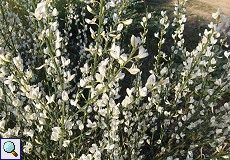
{"x":199,"y":15}
{"x":205,"y":8}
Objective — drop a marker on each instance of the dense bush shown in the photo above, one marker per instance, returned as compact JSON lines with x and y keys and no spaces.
{"x":77,"y":90}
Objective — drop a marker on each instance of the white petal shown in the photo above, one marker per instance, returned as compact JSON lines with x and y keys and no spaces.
{"x":120,"y":27}
{"x":115,"y":51}
{"x":128,"y":22}
{"x":142,"y":52}
{"x":133,"y":40}
{"x":133,"y":70}
{"x":65,"y":96}
{"x":150,"y":81}
{"x":226,"y":54}
{"x":55,"y":12}
{"x":99,"y":77}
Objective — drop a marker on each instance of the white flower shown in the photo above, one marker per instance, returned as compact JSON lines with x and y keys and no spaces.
{"x":40,"y":11}
{"x":158,"y":141}
{"x":34,"y":94}
{"x":66,"y":143}
{"x":213,"y":40}
{"x":213,"y":61}
{"x":65,"y":96}
{"x":50,"y":99}
{"x":129,"y":91}
{"x":135,"y":41}
{"x":120,"y":75}
{"x":226,"y":54}
{"x":149,"y":15}
{"x":128,"y":22}
{"x":9,"y":79}
{"x":218,"y":82}
{"x":109,"y":146}
{"x":143,"y":91}
{"x":55,"y":12}
{"x":56,"y":133}
{"x":211,"y":25}
{"x":93,"y":149}
{"x":218,"y":131}
{"x":210,"y":69}
{"x":120,"y":27}
{"x":90,"y":124}
{"x":83,"y":82}
{"x":90,"y":9}
{"x":162,"y":21}
{"x":110,"y":4}
{"x":39,"y":128}
{"x":99,"y":77}
{"x":65,"y":62}
{"x":169,"y":158}
{"x":58,"y":53}
{"x":142,"y":52}
{"x":102,"y":67}
{"x":1,"y":93}
{"x":204,"y":40}
{"x":183,"y":18}
{"x":133,"y":69}
{"x":198,"y":87}
{"x":28,"y":132}
{"x":216,"y":15}
{"x":115,"y":17}
{"x":69,"y":76}
{"x":160,"y":109}
{"x":90,"y":21}
{"x":156,"y":34}
{"x":115,"y":51}
{"x":84,"y":157}
{"x":80,"y":125}
{"x":126,"y":101}
{"x":123,"y":59}
{"x":85,"y":68}
{"x":97,"y":155}
{"x":53,"y":26}
{"x":4,"y":58}
{"x":2,"y":124}
{"x":164,"y":71}
{"x":18,"y":62}
{"x":69,"y":125}
{"x":27,"y":148}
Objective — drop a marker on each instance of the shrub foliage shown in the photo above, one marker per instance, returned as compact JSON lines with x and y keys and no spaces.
{"x":73,"y":82}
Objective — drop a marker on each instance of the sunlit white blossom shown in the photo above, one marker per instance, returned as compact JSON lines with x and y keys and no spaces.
{"x":40,"y":11}
{"x":216,"y":15}
{"x":54,"y":12}
{"x":115,"y":51}
{"x":50,"y":99}
{"x":65,"y":96}
{"x":142,"y":52}
{"x":128,"y":22}
{"x":226,"y":54}
{"x":135,"y":41}
{"x":66,"y":143}
{"x":27,"y":148}
{"x":133,"y":69}
{"x":56,"y":133}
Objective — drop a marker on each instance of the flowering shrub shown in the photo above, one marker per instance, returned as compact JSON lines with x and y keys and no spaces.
{"x":62,"y":92}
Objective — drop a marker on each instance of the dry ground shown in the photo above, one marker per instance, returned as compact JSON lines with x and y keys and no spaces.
{"x":199,"y":15}
{"x":205,"y":8}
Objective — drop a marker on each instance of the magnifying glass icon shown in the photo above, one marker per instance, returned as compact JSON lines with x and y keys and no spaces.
{"x":9,"y":147}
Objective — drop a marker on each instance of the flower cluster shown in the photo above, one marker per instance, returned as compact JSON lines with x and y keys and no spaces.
{"x":72,"y":84}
